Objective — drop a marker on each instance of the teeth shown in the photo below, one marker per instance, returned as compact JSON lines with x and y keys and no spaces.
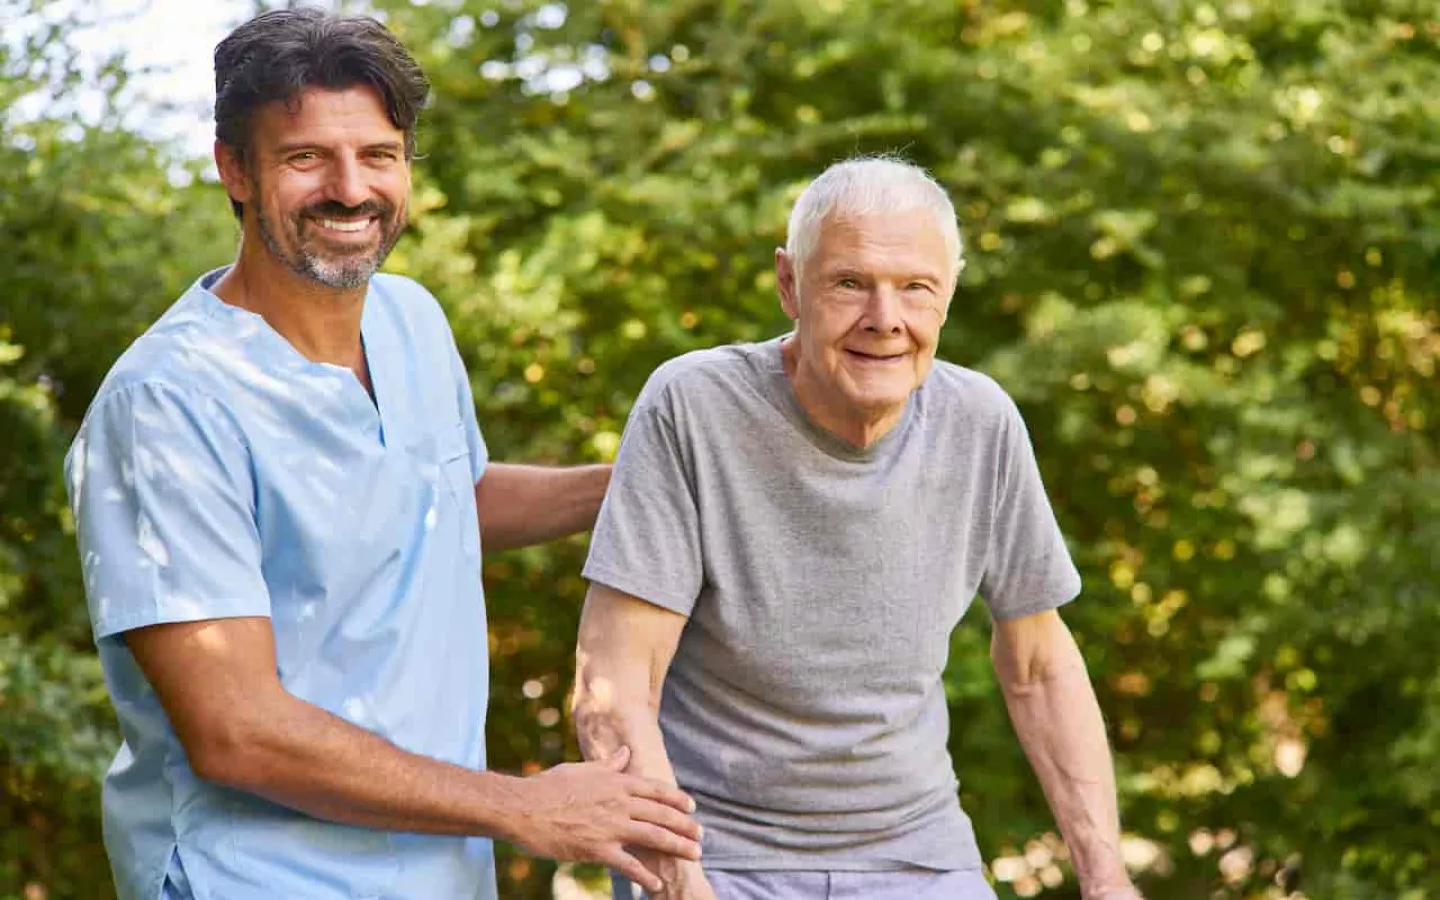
{"x":338,"y":225}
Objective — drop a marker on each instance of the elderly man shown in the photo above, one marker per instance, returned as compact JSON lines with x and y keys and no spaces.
{"x":281,"y":492}
{"x":792,"y":530}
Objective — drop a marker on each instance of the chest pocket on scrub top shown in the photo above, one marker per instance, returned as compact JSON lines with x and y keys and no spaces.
{"x":459,"y":485}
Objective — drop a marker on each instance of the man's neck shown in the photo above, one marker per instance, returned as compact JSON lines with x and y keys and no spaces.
{"x":856,"y":428}
{"x":322,"y":323}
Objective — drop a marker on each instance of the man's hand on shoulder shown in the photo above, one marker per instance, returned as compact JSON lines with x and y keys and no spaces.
{"x":593,"y":812}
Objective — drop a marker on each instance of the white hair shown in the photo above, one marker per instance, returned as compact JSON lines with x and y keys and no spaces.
{"x":865,"y":185}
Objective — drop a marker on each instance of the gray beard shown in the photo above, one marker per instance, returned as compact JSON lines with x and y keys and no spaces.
{"x":314,"y":267}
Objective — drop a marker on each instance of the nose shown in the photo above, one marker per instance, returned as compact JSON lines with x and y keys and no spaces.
{"x":347,"y":184}
{"x":882,"y":312}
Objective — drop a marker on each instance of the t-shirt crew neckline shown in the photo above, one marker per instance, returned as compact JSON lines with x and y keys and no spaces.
{"x":782,"y":395}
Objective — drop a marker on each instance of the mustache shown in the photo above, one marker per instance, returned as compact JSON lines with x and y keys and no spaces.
{"x":333,"y":210}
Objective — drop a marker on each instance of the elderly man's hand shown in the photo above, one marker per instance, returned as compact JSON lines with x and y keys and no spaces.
{"x":684,"y":879}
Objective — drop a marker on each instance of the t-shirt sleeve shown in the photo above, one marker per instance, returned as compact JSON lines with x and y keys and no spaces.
{"x":646,"y":542}
{"x":1028,"y":568}
{"x":161,"y":488}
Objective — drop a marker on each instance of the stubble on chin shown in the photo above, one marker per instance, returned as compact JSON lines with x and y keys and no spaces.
{"x":311,"y":264}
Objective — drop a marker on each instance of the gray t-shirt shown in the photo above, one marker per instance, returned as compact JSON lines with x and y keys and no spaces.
{"x":804,"y":708}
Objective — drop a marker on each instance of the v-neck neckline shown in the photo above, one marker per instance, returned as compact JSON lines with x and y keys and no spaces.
{"x":375,"y":349}
{"x":373,"y":345}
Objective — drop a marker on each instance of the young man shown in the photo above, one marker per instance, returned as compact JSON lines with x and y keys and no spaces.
{"x":281,"y":494}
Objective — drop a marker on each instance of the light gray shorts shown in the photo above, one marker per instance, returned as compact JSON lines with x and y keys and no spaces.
{"x":906,"y":884}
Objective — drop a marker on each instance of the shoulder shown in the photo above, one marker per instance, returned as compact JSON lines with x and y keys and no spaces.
{"x":977,"y":397}
{"x":149,"y":422}
{"x":702,"y":375}
{"x":404,"y":290}
{"x":407,"y":301}
{"x":139,"y":407}
{"x":183,"y":367}
{"x":179,"y":359}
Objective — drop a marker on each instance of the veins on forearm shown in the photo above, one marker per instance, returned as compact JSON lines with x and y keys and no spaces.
{"x":1059,"y":724}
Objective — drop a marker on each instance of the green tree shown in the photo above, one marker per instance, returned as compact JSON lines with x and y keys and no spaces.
{"x":1201,"y":243}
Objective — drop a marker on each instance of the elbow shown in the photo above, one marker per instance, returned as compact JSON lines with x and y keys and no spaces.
{"x":228,"y":755}
{"x":584,"y":711}
{"x":597,"y":727}
{"x":600,"y":700}
{"x":215,"y":760}
{"x":604,"y":714}
{"x":1013,"y":685}
{"x":1030,"y":654}
{"x":1022,"y":675}
{"x":1015,"y":670}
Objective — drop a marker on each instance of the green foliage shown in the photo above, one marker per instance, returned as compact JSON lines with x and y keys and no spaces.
{"x":1201,"y":243}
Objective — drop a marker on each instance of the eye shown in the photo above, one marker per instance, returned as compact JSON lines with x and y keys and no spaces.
{"x":304,"y":156}
{"x":919,"y":286}
{"x":847,"y":283}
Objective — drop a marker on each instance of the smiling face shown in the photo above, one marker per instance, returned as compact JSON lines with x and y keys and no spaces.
{"x":325,"y":184}
{"x":868,"y":307}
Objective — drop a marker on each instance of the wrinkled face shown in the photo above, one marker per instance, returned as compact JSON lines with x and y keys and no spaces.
{"x":327,"y":183}
{"x":868,"y":308}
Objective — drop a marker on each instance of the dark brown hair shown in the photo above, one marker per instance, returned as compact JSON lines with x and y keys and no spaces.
{"x":277,"y":55}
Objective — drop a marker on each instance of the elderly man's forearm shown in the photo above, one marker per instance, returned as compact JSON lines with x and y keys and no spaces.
{"x":602,"y":728}
{"x":1060,"y":726}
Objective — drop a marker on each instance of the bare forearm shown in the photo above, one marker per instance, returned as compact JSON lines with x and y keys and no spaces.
{"x":1059,"y":724}
{"x":303,"y":757}
{"x":602,"y":728}
{"x":524,"y":505}
{"x":622,"y":653}
{"x":241,"y":728}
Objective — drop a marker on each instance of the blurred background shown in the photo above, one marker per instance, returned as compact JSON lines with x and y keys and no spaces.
{"x":1202,"y":242}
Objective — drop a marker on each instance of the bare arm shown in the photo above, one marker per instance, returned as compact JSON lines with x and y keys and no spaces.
{"x":217,"y":682}
{"x":624,"y":650}
{"x":1057,"y":718}
{"x":524,"y":505}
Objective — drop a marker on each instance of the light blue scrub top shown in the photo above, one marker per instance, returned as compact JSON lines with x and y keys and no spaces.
{"x":219,"y":473}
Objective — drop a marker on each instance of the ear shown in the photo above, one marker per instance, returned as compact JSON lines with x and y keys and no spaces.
{"x":232,"y":173}
{"x":787,"y":284}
